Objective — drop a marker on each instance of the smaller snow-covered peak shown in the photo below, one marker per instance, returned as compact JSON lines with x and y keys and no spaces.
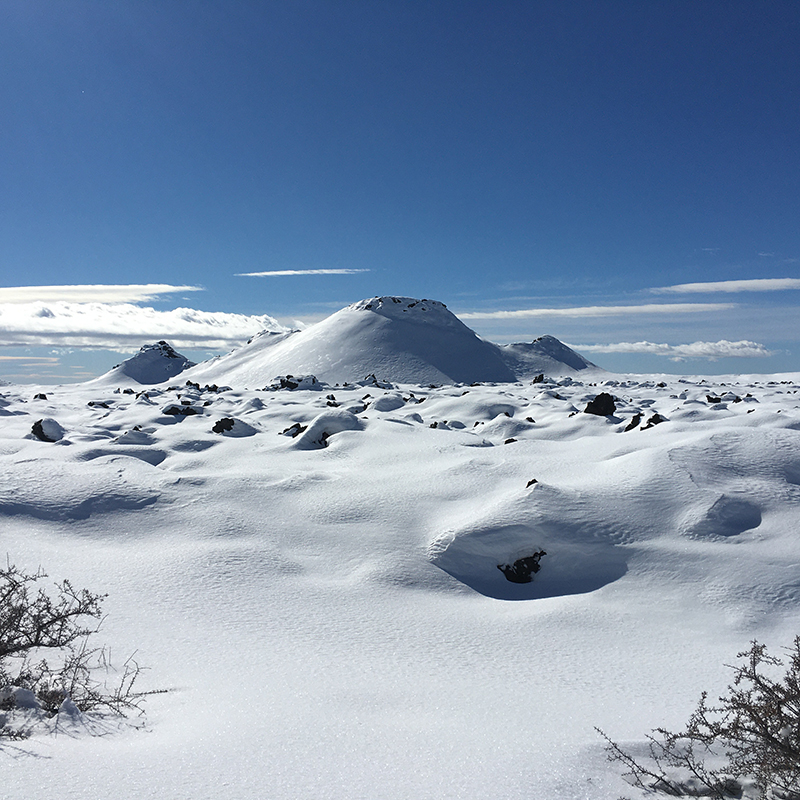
{"x":161,"y":348}
{"x":154,"y":363}
{"x":552,"y":347}
{"x":545,"y":354}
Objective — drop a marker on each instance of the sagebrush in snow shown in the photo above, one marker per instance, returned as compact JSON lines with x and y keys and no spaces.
{"x":45,"y":654}
{"x":750,"y":738}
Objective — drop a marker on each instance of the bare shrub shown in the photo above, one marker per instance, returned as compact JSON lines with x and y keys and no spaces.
{"x":750,"y":738}
{"x":45,"y":649}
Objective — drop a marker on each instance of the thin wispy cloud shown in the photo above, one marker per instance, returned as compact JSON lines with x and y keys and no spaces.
{"x":32,"y":359}
{"x":124,"y":327}
{"x":91,"y":293}
{"x":708,"y":350}
{"x":751,"y":285}
{"x":279,"y":273}
{"x":602,"y":311}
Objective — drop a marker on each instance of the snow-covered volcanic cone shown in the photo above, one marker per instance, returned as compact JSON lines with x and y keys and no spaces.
{"x":545,"y":354}
{"x":154,"y":363}
{"x":398,"y":339}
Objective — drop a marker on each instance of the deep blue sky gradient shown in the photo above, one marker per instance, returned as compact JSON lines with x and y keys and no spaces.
{"x":492,"y":155}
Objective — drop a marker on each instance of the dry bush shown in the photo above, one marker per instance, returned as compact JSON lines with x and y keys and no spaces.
{"x":45,"y":648}
{"x":750,"y":738}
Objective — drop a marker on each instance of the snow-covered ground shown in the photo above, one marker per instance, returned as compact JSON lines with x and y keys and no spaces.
{"x":327,"y":610}
{"x":319,"y":574}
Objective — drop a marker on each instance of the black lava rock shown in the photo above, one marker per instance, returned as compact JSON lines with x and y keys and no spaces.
{"x":602,"y":406}
{"x":523,"y":569}
{"x":222,"y":425}
{"x":180,"y":411}
{"x":634,"y":423}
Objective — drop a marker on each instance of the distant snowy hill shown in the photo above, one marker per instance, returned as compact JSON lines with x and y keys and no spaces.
{"x":543,"y":355}
{"x":397,"y":339}
{"x":154,"y":363}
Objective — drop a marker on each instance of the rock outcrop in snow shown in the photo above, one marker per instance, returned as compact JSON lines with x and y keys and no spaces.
{"x":398,"y":339}
{"x":47,"y":430}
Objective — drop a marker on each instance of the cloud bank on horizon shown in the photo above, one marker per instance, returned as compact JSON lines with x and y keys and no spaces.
{"x":107,"y":316}
{"x":125,"y":327}
{"x":98,"y":293}
{"x":601,"y":311}
{"x":96,"y":316}
{"x":708,"y":350}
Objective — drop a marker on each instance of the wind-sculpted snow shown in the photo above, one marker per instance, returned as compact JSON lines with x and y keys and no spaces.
{"x":581,"y":549}
{"x":435,"y":591}
{"x":56,"y":490}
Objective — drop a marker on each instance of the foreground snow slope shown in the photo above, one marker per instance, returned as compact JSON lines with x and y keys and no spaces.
{"x":317,"y":581}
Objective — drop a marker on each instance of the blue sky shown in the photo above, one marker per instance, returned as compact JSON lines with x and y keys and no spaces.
{"x":568,"y":161}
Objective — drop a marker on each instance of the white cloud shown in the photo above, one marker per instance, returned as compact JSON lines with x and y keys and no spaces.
{"x":283,"y":272}
{"x":751,"y":285}
{"x":601,"y":311}
{"x":124,"y":327}
{"x":90,"y":293}
{"x":709,"y":350}
{"x":37,"y":359}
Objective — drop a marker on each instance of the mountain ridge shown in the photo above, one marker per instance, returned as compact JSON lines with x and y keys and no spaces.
{"x":398,"y":339}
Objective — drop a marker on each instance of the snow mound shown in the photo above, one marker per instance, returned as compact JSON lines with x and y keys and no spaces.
{"x":391,"y":401}
{"x":316,"y":436}
{"x":292,"y":382}
{"x":398,"y":339}
{"x":572,"y":552}
{"x":233,"y":427}
{"x":47,"y":430}
{"x":58,"y":490}
{"x":154,"y":363}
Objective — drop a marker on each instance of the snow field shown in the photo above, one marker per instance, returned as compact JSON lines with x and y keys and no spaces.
{"x":290,"y":599}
